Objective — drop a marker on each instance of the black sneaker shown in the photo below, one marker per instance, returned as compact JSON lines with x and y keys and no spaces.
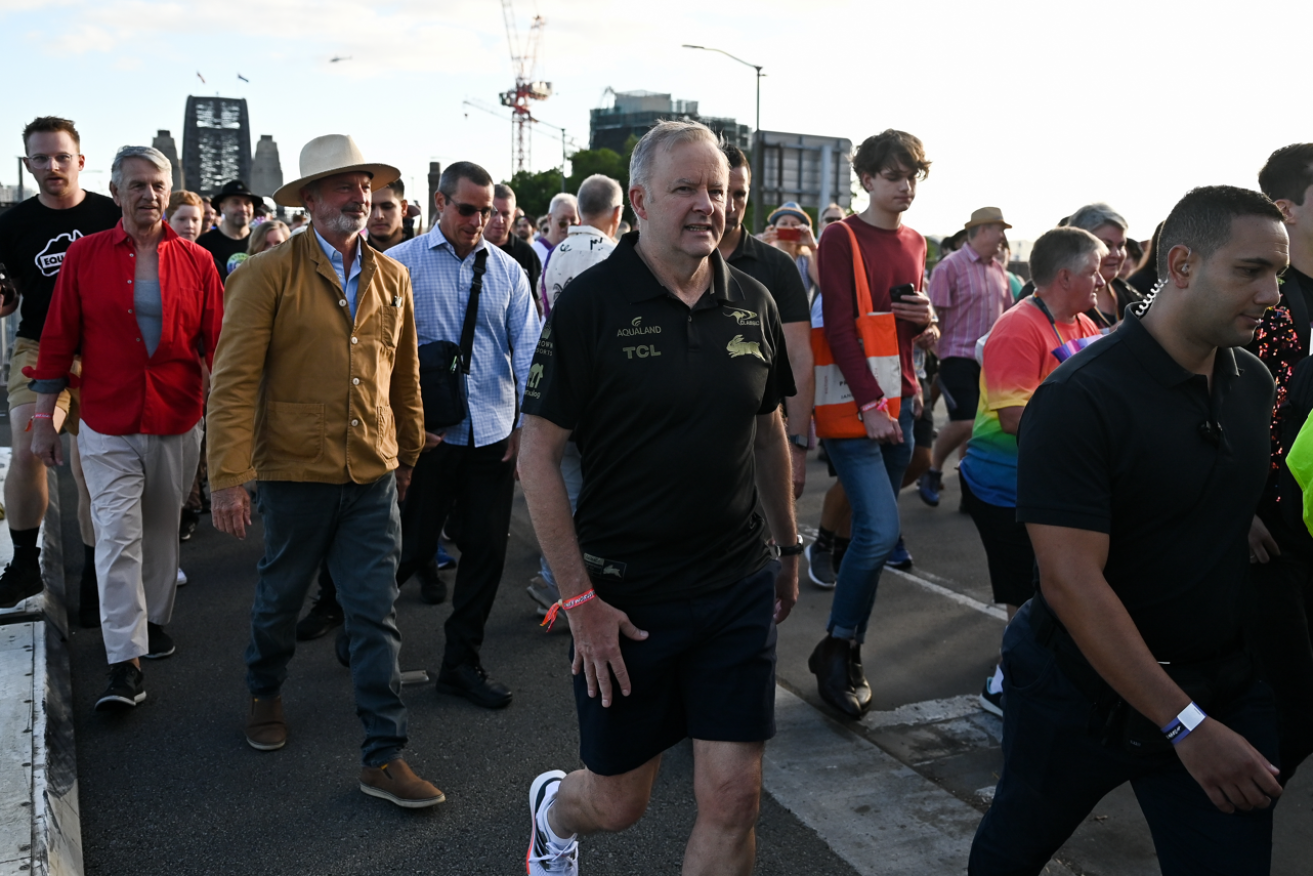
{"x":21,"y":579}
{"x":324,"y":614}
{"x":188,"y":525}
{"x":929,"y":486}
{"x":432,"y":589}
{"x":469,"y":680}
{"x":989,"y":701}
{"x":124,"y":690}
{"x":159,"y":644}
{"x":820,"y":566}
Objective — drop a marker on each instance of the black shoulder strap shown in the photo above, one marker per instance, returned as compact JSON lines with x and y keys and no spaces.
{"x":472,"y":311}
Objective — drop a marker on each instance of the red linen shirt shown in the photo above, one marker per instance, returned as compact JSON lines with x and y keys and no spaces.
{"x":892,"y":258}
{"x":91,"y":313}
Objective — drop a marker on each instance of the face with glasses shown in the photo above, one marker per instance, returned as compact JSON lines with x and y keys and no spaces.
{"x":54,"y":161}
{"x":1114,"y":238}
{"x":462,"y":217}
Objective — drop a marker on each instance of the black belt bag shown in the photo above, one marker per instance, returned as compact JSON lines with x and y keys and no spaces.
{"x":444,"y":367}
{"x":1212,"y":684}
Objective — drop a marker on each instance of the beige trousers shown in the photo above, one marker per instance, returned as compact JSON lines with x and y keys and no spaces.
{"x":137,"y":485}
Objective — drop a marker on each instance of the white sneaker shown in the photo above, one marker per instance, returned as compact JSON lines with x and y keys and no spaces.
{"x":544,"y":856}
{"x":182,"y":577}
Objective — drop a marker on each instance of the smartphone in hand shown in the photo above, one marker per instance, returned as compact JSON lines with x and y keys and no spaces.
{"x":898,"y":293}
{"x":792,"y":234}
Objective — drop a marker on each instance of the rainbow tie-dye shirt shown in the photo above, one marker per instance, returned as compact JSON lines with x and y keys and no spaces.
{"x":1023,"y":349}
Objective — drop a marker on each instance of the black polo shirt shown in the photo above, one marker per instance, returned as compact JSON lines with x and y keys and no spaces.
{"x":1123,"y":440}
{"x":773,"y":269}
{"x":662,"y":400}
{"x":527,"y":258}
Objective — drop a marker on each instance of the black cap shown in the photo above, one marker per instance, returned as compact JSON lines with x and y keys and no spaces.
{"x":238,"y":188}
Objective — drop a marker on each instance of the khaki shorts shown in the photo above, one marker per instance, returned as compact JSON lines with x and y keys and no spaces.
{"x":20,"y":391}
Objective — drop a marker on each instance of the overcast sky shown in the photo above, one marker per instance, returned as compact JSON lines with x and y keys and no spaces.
{"x":1034,"y":106}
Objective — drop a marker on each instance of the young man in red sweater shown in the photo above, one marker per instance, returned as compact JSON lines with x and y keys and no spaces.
{"x":871,"y":469}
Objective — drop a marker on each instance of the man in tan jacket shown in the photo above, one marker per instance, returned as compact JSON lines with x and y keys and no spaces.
{"x":316,"y":395}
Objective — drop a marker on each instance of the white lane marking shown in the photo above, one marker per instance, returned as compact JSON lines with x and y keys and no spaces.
{"x":880,"y":816}
{"x":952,"y":593}
{"x":927,"y":712}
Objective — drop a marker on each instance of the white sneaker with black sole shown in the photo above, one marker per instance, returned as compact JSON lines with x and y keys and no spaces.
{"x":546,"y":856}
{"x":124,"y":690}
{"x":820,"y":567}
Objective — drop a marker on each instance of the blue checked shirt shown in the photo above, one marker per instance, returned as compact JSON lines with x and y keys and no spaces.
{"x":505,"y":334}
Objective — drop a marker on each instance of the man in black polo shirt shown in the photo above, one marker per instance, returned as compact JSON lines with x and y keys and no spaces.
{"x":776,"y":271}
{"x":669,"y":368}
{"x":1140,"y":463}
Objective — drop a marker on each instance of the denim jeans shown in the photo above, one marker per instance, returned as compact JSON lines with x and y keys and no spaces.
{"x":1055,"y":771}
{"x":573,"y":473}
{"x":872,"y":475}
{"x":357,"y":529}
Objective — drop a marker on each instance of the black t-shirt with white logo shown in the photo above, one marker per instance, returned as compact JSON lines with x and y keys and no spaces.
{"x":228,"y":253}
{"x":33,"y":240}
{"x":662,"y":399}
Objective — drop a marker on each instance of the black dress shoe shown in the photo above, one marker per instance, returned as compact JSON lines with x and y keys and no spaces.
{"x":830,"y":663}
{"x":187,"y":527}
{"x":322,"y":617}
{"x":470,"y":681}
{"x":432,"y":589}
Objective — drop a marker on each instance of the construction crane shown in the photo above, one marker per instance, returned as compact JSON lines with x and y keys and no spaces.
{"x":524,"y":60}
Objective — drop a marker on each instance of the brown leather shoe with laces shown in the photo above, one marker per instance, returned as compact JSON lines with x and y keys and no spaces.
{"x":265,"y":728}
{"x":395,"y":782}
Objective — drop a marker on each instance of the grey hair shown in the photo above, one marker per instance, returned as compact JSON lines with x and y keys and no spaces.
{"x":563,"y":199}
{"x":664,"y":136}
{"x":599,"y":195}
{"x":146,"y":153}
{"x":1094,"y":216}
{"x":1060,"y":248}
{"x":503,"y":192}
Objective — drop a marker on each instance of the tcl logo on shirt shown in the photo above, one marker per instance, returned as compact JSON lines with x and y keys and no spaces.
{"x":51,"y":258}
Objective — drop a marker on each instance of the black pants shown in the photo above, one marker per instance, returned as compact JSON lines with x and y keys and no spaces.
{"x":483,"y":486}
{"x":1278,"y":620}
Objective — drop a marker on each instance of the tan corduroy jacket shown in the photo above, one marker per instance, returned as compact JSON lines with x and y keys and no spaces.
{"x":299,"y":392}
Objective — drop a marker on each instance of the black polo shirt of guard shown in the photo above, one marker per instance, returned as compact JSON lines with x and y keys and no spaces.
{"x":1121,"y":439}
{"x":662,"y":399}
{"x":773,"y":269}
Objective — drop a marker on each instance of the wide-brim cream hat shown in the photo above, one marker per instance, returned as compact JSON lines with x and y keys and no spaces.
{"x":328,"y":155}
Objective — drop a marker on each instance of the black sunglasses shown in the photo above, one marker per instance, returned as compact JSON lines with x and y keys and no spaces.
{"x":468,"y":210}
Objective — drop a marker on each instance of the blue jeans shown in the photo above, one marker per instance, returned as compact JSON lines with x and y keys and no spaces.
{"x":1055,"y":771}
{"x":573,"y":473}
{"x":872,"y":475}
{"x":357,"y":529}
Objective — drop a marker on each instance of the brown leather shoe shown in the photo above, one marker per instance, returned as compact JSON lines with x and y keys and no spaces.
{"x":265,"y":728}
{"x":395,"y":782}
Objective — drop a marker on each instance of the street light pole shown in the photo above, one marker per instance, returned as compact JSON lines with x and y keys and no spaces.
{"x":756,"y":134}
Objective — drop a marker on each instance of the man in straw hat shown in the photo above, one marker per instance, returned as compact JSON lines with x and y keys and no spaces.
{"x":316,"y":395}
{"x":969,"y":289}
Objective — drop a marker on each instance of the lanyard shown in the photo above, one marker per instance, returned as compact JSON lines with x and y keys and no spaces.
{"x":1053,"y":323}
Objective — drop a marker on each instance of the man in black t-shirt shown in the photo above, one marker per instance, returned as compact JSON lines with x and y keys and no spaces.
{"x":777,"y":272}
{"x":228,"y":241}
{"x":33,"y":239}
{"x":498,"y":233}
{"x":668,"y":367}
{"x":1140,"y":462}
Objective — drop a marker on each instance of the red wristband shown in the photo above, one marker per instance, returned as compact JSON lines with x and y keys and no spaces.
{"x":567,"y":604}
{"x":881,"y":405}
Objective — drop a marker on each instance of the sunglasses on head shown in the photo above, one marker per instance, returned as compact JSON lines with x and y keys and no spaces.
{"x":468,"y":210}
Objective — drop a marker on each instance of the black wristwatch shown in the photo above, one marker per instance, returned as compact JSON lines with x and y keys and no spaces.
{"x":799,"y":441}
{"x":791,"y":550}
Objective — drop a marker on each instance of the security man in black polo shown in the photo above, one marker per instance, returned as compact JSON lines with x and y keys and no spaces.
{"x":1141,"y":460}
{"x":669,"y":368}
{"x":777,"y":272}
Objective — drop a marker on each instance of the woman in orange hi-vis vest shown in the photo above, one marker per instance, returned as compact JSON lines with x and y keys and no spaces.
{"x":872,"y":267}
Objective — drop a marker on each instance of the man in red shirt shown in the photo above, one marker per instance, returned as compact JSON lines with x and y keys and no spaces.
{"x":143,"y":306}
{"x":871,"y":469}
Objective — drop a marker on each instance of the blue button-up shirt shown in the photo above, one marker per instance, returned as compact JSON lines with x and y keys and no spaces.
{"x":505,"y":333}
{"x":351,"y":284}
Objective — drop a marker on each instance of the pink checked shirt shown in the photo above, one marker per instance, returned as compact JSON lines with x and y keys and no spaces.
{"x":969,"y":294}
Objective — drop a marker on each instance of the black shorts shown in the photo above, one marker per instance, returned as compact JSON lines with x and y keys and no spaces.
{"x":705,"y":671}
{"x":923,"y":430}
{"x":1007,"y":548}
{"x":959,"y":379}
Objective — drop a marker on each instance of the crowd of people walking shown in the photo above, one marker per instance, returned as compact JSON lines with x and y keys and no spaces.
{"x":1120,"y":427}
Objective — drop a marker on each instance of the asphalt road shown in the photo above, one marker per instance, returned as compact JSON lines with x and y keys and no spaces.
{"x":172,"y":788}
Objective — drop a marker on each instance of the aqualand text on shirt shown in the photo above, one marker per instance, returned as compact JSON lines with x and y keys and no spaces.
{"x":1023,"y":349}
